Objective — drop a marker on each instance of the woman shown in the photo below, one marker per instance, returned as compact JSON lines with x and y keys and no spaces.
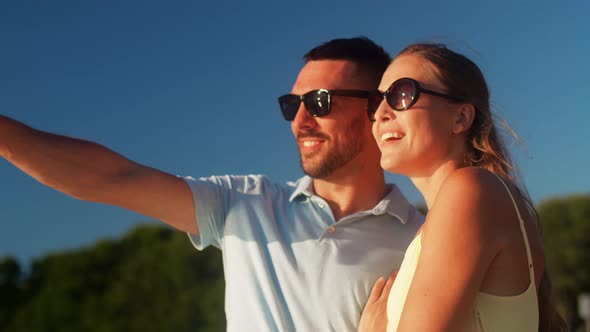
{"x":477,"y":264}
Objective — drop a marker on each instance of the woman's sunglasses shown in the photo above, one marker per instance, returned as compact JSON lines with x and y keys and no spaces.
{"x":318,"y":102}
{"x":404,"y":93}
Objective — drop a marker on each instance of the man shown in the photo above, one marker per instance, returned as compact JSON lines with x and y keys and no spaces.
{"x":298,"y":256}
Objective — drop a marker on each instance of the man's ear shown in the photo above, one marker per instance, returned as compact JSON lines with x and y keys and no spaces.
{"x":464,"y":118}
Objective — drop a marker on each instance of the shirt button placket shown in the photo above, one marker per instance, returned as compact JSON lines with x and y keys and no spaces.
{"x":326,"y":210}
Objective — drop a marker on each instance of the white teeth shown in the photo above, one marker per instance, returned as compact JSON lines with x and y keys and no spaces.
{"x":395,"y":135}
{"x":309,"y":143}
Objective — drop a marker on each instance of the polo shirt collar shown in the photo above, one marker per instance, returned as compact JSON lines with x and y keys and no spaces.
{"x":394,"y":203}
{"x":303,"y":186}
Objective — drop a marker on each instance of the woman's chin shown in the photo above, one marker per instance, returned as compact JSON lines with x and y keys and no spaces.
{"x":392,"y":166}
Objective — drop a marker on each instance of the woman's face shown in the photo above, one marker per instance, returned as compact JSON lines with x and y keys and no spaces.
{"x":414,"y":142}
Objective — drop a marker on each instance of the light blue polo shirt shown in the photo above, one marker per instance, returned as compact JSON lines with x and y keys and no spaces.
{"x":288,"y":265}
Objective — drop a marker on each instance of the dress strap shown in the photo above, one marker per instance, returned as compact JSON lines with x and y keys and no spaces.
{"x":523,"y":231}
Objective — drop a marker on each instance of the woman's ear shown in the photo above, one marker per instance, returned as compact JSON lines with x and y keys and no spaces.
{"x":464,"y":118}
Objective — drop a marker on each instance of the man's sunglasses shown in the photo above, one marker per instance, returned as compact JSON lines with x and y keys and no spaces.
{"x":318,"y":102}
{"x":404,"y":93}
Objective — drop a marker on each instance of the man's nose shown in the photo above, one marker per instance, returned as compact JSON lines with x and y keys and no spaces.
{"x":303,"y":119}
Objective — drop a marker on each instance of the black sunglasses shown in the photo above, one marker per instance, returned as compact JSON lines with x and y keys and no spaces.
{"x":404,"y":93}
{"x":318,"y":102}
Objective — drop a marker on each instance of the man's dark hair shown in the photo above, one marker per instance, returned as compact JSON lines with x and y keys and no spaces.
{"x":371,"y":58}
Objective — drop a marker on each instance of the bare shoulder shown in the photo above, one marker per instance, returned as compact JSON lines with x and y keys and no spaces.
{"x":473,"y":179}
{"x":473,"y":199}
{"x":475,"y":186}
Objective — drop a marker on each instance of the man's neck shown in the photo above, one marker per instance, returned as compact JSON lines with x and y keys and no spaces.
{"x":349,"y":194}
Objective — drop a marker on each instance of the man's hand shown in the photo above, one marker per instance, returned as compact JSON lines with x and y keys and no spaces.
{"x":374,"y":317}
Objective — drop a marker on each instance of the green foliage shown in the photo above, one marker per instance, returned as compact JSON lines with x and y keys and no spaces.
{"x":151,"y":280}
{"x":565,"y":224}
{"x":9,"y":288}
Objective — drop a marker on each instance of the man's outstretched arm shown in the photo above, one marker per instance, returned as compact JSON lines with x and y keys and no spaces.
{"x":91,"y":172}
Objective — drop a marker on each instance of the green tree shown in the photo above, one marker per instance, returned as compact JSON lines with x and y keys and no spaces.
{"x":151,"y":280}
{"x":10,"y":273}
{"x":565,"y":224}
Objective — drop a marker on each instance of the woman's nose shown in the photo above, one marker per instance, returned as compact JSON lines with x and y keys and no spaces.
{"x":384,"y":112}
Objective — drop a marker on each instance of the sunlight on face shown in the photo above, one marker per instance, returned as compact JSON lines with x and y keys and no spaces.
{"x":413,"y":141}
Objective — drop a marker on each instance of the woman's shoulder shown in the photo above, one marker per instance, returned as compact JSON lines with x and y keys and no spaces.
{"x":471,"y":213}
{"x":476,"y":197}
{"x":476,"y":186}
{"x":472,"y":178}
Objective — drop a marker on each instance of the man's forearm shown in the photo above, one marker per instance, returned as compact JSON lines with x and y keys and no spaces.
{"x":70,"y":165}
{"x":91,"y":172}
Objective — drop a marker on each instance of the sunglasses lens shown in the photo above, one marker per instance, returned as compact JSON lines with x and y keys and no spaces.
{"x":317,"y":102}
{"x":401,"y":94}
{"x":289,"y":106}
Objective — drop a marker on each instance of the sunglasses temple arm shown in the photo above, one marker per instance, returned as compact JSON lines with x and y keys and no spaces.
{"x":438,"y":94}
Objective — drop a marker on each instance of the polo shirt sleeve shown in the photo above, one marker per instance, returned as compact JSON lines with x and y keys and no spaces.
{"x":211,"y":197}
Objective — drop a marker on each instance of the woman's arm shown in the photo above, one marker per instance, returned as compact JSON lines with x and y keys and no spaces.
{"x":459,"y":242}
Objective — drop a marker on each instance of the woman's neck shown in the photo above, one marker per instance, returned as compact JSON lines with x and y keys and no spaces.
{"x":429,"y":184}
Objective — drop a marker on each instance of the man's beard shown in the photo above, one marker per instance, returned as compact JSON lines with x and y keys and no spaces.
{"x":320,"y":166}
{"x":326,"y":166}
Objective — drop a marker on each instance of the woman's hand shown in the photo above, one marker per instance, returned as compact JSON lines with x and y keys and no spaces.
{"x":374,"y":317}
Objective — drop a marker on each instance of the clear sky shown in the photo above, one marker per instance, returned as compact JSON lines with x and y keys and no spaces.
{"x":190,"y":87}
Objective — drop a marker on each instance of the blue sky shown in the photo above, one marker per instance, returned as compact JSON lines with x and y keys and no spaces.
{"x":190,"y":88}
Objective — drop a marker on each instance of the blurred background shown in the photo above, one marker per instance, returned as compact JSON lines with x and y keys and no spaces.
{"x":190,"y":88}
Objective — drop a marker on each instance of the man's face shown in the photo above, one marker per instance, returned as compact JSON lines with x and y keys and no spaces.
{"x":327,"y":144}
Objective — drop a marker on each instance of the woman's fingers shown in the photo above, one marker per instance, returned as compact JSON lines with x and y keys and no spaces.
{"x":376,"y":291}
{"x":381,"y":288}
{"x":388,"y":284}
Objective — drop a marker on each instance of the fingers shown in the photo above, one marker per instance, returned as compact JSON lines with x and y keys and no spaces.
{"x":387,"y":288}
{"x":391,"y":279}
{"x":381,"y":288}
{"x":376,"y":291}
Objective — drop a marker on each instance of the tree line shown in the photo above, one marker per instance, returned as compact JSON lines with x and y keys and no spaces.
{"x":152,"y":279}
